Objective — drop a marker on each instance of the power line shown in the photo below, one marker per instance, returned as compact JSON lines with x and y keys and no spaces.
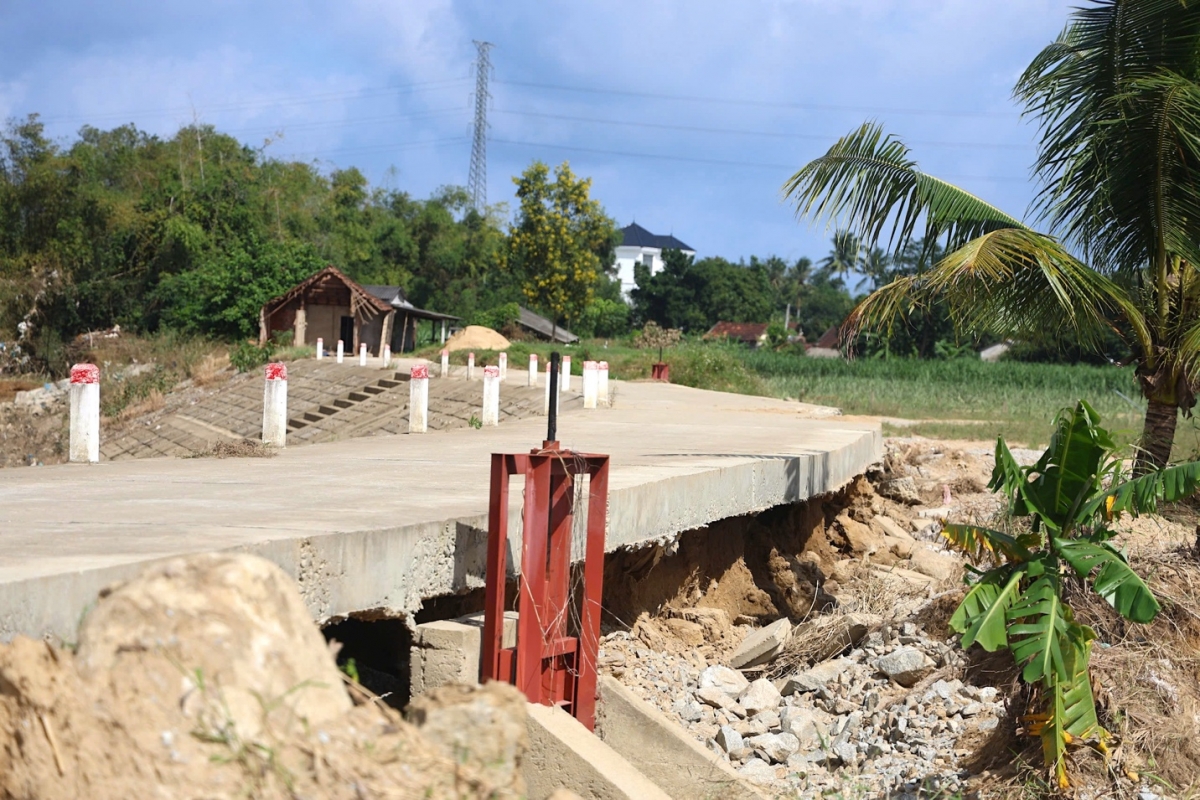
{"x":372,"y":147}
{"x":717,"y":162}
{"x":743,"y":132}
{"x":477,"y":175}
{"x":293,"y":100}
{"x":758,"y":103}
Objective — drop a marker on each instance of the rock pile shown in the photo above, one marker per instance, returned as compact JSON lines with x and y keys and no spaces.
{"x":884,"y":717}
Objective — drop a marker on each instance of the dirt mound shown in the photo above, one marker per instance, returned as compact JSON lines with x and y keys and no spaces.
{"x":477,"y":337}
{"x":205,"y":677}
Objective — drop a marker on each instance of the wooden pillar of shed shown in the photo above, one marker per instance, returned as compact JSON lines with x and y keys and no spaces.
{"x":301,"y":325}
{"x":385,"y":337}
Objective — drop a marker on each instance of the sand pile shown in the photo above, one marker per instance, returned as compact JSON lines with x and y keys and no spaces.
{"x":477,"y":337}
{"x":205,"y":677}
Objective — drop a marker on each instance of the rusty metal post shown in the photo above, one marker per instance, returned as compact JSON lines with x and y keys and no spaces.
{"x":558,"y":630}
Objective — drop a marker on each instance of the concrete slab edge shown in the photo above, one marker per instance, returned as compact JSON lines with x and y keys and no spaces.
{"x":393,"y":570}
{"x":661,"y":751}
{"x":563,"y":753}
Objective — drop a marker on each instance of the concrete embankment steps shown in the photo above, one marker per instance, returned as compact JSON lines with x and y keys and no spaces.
{"x":326,"y":402}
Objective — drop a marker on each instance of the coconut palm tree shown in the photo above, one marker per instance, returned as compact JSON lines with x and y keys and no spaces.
{"x":1117,"y":101}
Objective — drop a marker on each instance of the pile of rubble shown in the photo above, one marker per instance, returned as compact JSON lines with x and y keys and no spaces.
{"x":884,"y":717}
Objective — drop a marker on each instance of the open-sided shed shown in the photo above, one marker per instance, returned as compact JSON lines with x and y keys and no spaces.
{"x":329,"y":305}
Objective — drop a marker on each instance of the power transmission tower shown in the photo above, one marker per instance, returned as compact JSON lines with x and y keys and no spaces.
{"x":477,"y":177}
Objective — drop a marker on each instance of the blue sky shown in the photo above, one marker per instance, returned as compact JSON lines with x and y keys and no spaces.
{"x":687,"y":114}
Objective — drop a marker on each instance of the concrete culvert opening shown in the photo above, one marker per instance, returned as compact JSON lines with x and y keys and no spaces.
{"x":375,"y":652}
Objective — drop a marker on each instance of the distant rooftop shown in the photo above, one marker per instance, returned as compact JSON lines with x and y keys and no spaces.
{"x":745,"y":332}
{"x":637,"y":236}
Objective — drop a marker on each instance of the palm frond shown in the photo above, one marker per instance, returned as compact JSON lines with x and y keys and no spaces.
{"x":1010,"y":282}
{"x":1117,"y":102}
{"x":867,"y":181}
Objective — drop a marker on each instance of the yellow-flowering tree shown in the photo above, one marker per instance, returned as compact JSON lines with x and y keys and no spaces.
{"x":562,"y":241}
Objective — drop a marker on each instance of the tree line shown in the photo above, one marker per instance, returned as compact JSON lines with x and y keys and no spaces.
{"x":196,"y":231}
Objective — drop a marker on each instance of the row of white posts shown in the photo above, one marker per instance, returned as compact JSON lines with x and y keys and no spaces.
{"x":362,"y":353}
{"x":85,"y":397}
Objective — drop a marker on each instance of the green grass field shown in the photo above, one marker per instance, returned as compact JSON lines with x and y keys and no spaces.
{"x":960,"y":399}
{"x":956,"y":399}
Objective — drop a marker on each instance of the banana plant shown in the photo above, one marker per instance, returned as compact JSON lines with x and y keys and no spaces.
{"x":1068,"y":498}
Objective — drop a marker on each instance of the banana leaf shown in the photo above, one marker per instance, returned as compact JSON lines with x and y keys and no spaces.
{"x":1142,"y":495}
{"x":1116,"y":582}
{"x":1037,"y":625}
{"x":1066,"y":472}
{"x":981,"y":616}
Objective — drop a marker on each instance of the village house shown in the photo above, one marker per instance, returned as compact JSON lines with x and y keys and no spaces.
{"x":640,"y":246}
{"x":330,"y":306}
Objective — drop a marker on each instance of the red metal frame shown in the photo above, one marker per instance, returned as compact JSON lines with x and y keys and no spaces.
{"x":552,"y":664}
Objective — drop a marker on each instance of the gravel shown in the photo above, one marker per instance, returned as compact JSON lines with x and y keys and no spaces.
{"x":870,"y":721}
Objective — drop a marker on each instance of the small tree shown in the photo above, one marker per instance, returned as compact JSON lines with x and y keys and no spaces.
{"x":654,"y":336}
{"x":561,"y":242}
{"x":1019,"y":604}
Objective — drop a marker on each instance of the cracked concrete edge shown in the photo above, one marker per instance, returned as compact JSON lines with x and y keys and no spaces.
{"x":393,"y":570}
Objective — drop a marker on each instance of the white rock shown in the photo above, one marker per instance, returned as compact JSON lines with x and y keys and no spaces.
{"x":775,"y":746}
{"x":805,"y":725}
{"x":759,"y":696}
{"x":729,"y":681}
{"x":905,"y":666}
{"x":714,"y":697}
{"x":818,"y":676}
{"x":942,"y":566}
{"x":758,"y":771}
{"x":729,"y":739}
{"x":762,"y":645}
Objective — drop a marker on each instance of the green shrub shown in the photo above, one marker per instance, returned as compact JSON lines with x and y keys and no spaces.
{"x":247,"y":355}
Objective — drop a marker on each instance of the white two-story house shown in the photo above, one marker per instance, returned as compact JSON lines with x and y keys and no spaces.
{"x":640,"y":246}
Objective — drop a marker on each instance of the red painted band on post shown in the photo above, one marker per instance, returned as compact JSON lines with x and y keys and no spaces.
{"x":419,"y":371}
{"x":603,"y":365}
{"x":445,"y":352}
{"x":590,"y":365}
{"x":276,"y":371}
{"x":491,"y":372}
{"x":85,"y":373}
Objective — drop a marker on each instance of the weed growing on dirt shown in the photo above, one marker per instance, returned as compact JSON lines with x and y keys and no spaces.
{"x":246,"y":448}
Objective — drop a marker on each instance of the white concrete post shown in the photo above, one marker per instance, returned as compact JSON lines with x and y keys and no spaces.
{"x":362,"y":354}
{"x":591,"y":383}
{"x":504,"y":366}
{"x":546,"y":405}
{"x":274,"y":430}
{"x":341,"y":350}
{"x":387,"y":356}
{"x":418,"y":399}
{"x":85,"y":413}
{"x":602,"y":384}
{"x":491,"y":396}
{"x":320,"y":348}
{"x":470,"y":366}
{"x":445,"y":363}
{"x":564,"y":383}
{"x":533,"y":369}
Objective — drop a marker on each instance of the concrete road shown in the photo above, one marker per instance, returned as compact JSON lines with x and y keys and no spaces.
{"x":385,"y":522}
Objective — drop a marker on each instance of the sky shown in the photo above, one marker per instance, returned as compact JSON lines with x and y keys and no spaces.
{"x":688,"y":115}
